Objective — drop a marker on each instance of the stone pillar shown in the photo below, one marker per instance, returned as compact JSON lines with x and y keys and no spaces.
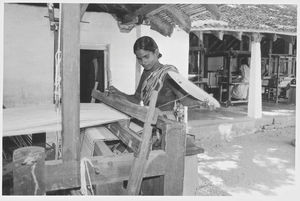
{"x":290,"y":63}
{"x":255,"y":100}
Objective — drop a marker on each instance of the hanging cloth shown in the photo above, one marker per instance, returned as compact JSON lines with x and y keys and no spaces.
{"x":155,"y":79}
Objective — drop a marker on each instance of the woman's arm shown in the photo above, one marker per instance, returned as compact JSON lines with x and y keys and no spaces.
{"x":186,"y":100}
{"x":134,"y":98}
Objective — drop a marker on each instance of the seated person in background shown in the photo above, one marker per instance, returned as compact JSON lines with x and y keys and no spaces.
{"x":265,"y":71}
{"x":240,"y":91}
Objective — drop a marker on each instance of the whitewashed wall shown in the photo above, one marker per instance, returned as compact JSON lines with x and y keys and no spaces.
{"x":28,"y":56}
{"x":28,"y":52}
{"x":175,"y":49}
{"x":102,"y":28}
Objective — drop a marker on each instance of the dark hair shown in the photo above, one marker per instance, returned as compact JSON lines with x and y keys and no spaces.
{"x":145,"y":43}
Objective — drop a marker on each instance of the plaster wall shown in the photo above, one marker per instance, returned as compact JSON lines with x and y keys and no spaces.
{"x":174,"y":49}
{"x":28,"y":52}
{"x":102,"y":28}
{"x":28,"y":56}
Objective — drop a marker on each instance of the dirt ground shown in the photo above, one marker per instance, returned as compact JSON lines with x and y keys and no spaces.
{"x":262,"y":163}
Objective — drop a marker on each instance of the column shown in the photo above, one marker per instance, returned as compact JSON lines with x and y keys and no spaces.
{"x":255,"y":100}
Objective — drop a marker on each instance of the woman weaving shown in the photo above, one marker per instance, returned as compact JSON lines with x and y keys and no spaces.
{"x":153,"y":77}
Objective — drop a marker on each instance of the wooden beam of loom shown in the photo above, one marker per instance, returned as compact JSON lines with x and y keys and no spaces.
{"x":107,"y":169}
{"x":174,"y":145}
{"x":128,"y":137}
{"x":143,"y":11}
{"x":125,"y":106}
{"x":139,"y":163}
{"x":51,"y":16}
{"x":70,"y":81}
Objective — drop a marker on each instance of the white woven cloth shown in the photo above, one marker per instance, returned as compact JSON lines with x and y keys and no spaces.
{"x":39,"y":119}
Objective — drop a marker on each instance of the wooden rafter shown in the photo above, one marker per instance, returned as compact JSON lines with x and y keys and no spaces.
{"x":199,"y":35}
{"x":83,"y":8}
{"x":230,"y":44}
{"x":238,"y":35}
{"x":289,"y":39}
{"x":143,"y":11}
{"x":157,"y":24}
{"x":216,"y":42}
{"x":218,"y":34}
{"x":213,"y":9}
{"x":180,"y":18}
{"x":220,"y":45}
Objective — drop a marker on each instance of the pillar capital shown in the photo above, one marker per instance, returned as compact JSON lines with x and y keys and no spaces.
{"x":256,"y":37}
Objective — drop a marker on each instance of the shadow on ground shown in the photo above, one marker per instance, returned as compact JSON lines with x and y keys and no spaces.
{"x":262,"y":163}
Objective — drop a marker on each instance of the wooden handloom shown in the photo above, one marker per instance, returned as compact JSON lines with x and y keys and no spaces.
{"x":161,"y":170}
{"x":144,"y":171}
{"x":226,"y":81}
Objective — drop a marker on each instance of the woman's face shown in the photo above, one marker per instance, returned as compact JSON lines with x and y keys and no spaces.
{"x":147,"y":58}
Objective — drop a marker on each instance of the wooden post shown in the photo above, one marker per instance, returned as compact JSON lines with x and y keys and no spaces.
{"x":175,"y":148}
{"x":200,"y":54}
{"x":70,"y":40}
{"x":70,"y":80}
{"x":270,"y":57}
{"x":230,"y":62}
{"x":290,"y":60}
{"x":29,"y":171}
{"x":70,"y":44}
{"x":255,"y":100}
{"x":277,"y":80}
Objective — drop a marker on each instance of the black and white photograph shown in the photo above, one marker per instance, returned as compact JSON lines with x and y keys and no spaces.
{"x":149,"y":99}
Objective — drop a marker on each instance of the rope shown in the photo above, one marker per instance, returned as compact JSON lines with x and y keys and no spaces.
{"x":36,"y":184}
{"x":57,"y":83}
{"x":32,"y":160}
{"x":155,"y":79}
{"x":83,"y":169}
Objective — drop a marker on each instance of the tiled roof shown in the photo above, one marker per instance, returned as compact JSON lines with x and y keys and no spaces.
{"x":232,"y":17}
{"x":255,"y":17}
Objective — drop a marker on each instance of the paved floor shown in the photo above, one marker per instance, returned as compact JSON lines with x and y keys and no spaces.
{"x":226,"y":123}
{"x":260,"y":161}
{"x":259,"y":164}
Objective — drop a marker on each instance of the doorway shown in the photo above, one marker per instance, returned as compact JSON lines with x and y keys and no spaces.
{"x":92,"y":71}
